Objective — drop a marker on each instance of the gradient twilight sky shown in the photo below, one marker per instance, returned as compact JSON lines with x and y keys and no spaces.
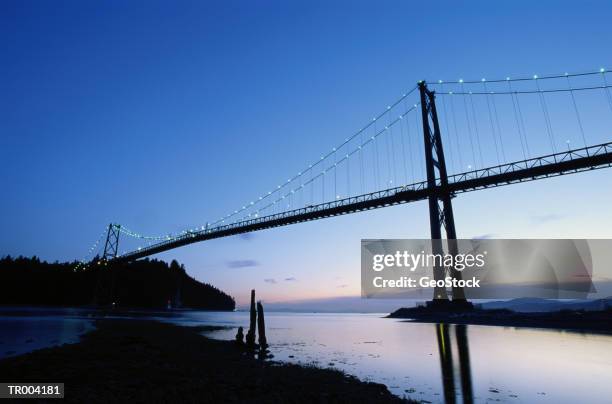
{"x":161,"y":115}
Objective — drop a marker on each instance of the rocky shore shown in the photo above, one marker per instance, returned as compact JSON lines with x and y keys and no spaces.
{"x":145,"y":361}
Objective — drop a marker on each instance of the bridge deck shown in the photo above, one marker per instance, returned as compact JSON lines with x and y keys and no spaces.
{"x":571,"y":161}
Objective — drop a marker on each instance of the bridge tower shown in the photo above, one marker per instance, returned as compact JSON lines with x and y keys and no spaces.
{"x":111,"y":247}
{"x":105,"y":283}
{"x":440,"y":205}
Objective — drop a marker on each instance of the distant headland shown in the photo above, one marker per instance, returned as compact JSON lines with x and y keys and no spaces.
{"x":595,"y":317}
{"x":140,"y":284}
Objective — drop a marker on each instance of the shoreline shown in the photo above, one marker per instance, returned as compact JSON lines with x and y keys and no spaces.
{"x":149,"y":361}
{"x":591,"y":322}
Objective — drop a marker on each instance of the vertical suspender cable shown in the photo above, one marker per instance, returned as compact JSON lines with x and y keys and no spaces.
{"x":446,"y":119}
{"x":323,"y":186}
{"x":376,"y":158}
{"x":499,"y":132}
{"x":491,"y":121}
{"x":394,"y":173}
{"x":387,"y":134}
{"x":348,"y":178}
{"x":606,"y":89}
{"x":402,"y":142}
{"x":516,"y":119}
{"x":422,"y":151}
{"x":546,"y":116}
{"x":412,"y":161}
{"x":311,"y":186}
{"x":301,"y":191}
{"x":476,"y":130}
{"x":469,"y":126}
{"x":361,"y":169}
{"x":409,"y":136}
{"x":335,"y":176}
{"x":569,"y":86}
{"x":452,"y":107}
{"x":522,"y":120}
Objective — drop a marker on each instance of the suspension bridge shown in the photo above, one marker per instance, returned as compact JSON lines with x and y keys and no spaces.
{"x":440,"y":139}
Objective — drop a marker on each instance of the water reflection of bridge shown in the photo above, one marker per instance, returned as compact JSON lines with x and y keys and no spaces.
{"x":463,"y":374}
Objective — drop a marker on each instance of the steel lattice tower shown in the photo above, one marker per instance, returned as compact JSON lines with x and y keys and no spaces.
{"x":440,"y":205}
{"x":111,"y":247}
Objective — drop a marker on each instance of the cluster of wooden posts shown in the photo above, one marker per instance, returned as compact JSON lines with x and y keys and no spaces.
{"x":257,"y":324}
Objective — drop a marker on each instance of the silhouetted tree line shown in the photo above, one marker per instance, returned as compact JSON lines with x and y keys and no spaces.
{"x":144,"y":283}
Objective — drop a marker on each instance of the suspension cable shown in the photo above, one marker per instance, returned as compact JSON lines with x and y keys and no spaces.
{"x":360,"y":133}
{"x":314,"y":164}
{"x":360,"y":147}
{"x":525,"y":78}
{"x":555,"y":90}
{"x":85,"y":261}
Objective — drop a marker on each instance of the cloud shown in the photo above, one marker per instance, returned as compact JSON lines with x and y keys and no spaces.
{"x":270,"y":280}
{"x":291,"y":279}
{"x":540,"y":219}
{"x":242,"y":264}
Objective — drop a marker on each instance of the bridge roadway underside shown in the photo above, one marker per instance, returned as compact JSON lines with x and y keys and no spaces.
{"x":574,"y":161}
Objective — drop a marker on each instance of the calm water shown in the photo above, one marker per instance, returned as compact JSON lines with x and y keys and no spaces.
{"x":422,"y":361}
{"x":26,"y":329}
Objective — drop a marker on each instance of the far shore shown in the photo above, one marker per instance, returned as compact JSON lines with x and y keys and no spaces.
{"x":147,"y":361}
{"x":594,"y":322}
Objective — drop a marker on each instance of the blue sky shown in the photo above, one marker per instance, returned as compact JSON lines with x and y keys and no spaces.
{"x":160,"y":116}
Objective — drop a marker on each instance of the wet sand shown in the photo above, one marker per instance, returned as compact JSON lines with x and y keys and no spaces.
{"x":147,"y":361}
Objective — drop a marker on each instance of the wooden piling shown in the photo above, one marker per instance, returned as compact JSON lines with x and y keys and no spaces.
{"x":250,"y":337}
{"x":261,"y":327}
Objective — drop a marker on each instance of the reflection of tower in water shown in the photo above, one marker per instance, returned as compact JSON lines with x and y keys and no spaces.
{"x":445,"y":350}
